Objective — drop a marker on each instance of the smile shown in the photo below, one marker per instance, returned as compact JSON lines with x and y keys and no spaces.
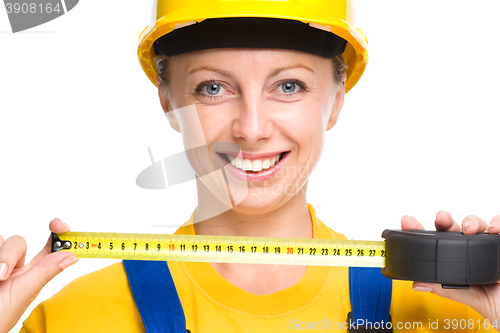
{"x":255,"y":169}
{"x":253,"y":165}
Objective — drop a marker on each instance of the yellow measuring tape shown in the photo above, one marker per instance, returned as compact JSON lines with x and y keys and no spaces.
{"x":228,"y":249}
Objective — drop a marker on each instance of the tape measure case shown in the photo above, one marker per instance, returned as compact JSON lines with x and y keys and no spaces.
{"x":450,"y":258}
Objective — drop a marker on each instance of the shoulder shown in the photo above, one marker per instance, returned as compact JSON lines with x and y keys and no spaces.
{"x":320,"y":230}
{"x":97,"y":289}
{"x":335,"y":235}
{"x":323,"y":231}
{"x":110,"y":278}
{"x":98,"y":300}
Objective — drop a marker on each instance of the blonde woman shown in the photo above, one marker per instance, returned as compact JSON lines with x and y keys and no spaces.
{"x":253,"y":87}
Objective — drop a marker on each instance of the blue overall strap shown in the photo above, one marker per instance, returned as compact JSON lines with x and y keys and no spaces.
{"x":155,"y":296}
{"x":370,"y":294}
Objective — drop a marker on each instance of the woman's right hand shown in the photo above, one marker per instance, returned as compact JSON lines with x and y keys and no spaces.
{"x":20,"y":283}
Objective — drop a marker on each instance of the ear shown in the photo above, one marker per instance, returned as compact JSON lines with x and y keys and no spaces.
{"x":165,"y":105}
{"x":339,"y":102}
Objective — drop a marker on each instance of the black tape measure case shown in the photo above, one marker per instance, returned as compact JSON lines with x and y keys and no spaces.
{"x":451,"y":259}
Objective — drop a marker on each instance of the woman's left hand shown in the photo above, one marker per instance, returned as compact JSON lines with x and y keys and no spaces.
{"x":485,"y":299}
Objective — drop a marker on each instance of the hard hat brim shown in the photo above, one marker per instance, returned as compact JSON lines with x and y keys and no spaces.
{"x":250,"y":32}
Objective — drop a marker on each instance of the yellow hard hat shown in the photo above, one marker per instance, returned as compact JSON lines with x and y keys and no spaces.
{"x":333,"y":16}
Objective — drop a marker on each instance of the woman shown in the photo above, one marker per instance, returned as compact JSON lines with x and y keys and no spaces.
{"x":274,"y":97}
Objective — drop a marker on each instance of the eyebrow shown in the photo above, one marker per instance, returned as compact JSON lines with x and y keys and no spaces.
{"x":281,"y":69}
{"x":212,"y":69}
{"x":229,"y":75}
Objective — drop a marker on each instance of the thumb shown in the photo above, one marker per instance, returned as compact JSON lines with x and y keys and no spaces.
{"x":32,"y":281}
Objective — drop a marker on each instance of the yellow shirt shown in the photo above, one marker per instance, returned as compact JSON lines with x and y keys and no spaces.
{"x":102,"y":302}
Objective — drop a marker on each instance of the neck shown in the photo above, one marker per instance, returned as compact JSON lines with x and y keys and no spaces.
{"x":290,"y":220}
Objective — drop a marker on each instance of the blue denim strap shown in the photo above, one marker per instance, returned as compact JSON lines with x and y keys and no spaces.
{"x":155,"y":296}
{"x":370,"y":294}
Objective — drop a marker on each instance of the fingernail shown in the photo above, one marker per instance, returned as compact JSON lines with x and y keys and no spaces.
{"x":468,"y":224}
{"x":67,"y":262}
{"x":492,"y":224}
{"x":402,"y":217}
{"x":422,"y":287}
{"x":3,"y":270}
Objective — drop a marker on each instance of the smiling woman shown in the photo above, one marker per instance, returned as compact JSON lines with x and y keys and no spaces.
{"x":254,"y":86}
{"x":276,"y":105}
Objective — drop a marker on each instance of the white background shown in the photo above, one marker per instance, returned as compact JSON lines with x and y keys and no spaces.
{"x":418,"y":134}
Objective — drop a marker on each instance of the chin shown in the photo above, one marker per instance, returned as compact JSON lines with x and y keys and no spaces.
{"x":260,"y":203}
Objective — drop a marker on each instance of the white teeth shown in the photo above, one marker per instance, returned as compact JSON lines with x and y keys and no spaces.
{"x":266,"y":164}
{"x":255,"y":165}
{"x":238,"y":163}
{"x":247,"y":165}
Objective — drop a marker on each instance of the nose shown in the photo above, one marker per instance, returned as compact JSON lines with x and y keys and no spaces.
{"x":253,"y":121}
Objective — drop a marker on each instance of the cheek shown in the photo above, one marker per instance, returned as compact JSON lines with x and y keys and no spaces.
{"x":216,"y":123}
{"x":304,"y":121}
{"x":313,"y":127}
{"x":305,"y":126}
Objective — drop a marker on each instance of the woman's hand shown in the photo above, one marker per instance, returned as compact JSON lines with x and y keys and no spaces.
{"x":20,"y":283}
{"x":485,"y":299}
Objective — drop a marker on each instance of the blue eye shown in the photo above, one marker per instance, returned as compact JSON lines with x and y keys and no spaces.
{"x":288,"y":87}
{"x":210,"y":89}
{"x":291,"y":88}
{"x":213,"y":89}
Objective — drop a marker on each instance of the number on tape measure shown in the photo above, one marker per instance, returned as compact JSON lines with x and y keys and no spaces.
{"x":203,"y":248}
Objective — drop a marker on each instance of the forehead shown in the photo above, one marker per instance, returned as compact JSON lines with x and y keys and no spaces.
{"x":255,"y":59}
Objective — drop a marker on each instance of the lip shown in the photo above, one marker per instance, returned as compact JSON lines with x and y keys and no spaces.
{"x":252,"y":156}
{"x":257,"y":176}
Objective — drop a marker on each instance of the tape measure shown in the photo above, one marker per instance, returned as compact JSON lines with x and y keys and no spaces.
{"x":226,"y":249}
{"x":452,"y":259}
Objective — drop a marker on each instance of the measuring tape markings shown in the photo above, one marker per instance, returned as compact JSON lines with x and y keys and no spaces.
{"x":449,"y":258}
{"x":229,"y":249}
